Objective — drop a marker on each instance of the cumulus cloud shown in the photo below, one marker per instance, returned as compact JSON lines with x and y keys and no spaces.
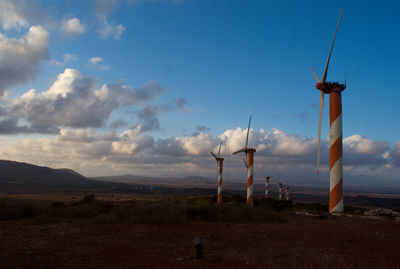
{"x":148,"y":114}
{"x":358,"y":150}
{"x":131,"y":141}
{"x":77,"y":101}
{"x":20,"y":58}
{"x":12,"y":14}
{"x":395,"y":154}
{"x":132,"y":150}
{"x":21,"y":14}
{"x":72,"y":27}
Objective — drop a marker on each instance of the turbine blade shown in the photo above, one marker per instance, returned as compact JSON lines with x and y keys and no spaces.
{"x":247,"y":136}
{"x":329,"y":56}
{"x":321,"y":109}
{"x":213,"y":155}
{"x":240,"y":150}
{"x":315,"y":75}
{"x":219,"y":150}
{"x":245,"y":163}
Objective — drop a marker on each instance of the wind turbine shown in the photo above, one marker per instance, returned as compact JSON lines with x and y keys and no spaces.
{"x":220,"y":164}
{"x":280,"y":191}
{"x":249,"y":152}
{"x":334,"y":89}
{"x":267,"y":187}
{"x":287,"y":193}
{"x":266,"y":184}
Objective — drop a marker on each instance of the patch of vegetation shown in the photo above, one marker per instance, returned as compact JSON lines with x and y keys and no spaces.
{"x":311,"y":207}
{"x":10,"y":211}
{"x":164,"y":211}
{"x":88,"y":199}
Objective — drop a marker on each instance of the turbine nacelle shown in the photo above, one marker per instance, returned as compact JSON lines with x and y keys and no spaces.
{"x":329,"y":87}
{"x":216,"y":157}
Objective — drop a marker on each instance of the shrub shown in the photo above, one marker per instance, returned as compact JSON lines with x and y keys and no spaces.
{"x":88,"y":199}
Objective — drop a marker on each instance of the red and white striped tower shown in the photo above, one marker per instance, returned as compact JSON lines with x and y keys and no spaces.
{"x":249,"y":152}
{"x":250,"y":157}
{"x":266,"y":187}
{"x":336,"y":148}
{"x":280,"y":191}
{"x":220,"y":164}
{"x":334,"y":89}
{"x":287,"y":193}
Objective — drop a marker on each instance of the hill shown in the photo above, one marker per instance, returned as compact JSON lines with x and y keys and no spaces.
{"x":33,"y":176}
{"x":178,"y":182}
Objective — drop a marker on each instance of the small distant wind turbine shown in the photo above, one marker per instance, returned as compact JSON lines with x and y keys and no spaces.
{"x":334,"y":89}
{"x":280,"y":191}
{"x":266,"y":187}
{"x":249,"y":153}
{"x":220,"y":165}
{"x":266,"y":184}
{"x":287,"y":193}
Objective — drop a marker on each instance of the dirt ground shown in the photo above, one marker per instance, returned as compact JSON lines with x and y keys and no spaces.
{"x":293,"y":242}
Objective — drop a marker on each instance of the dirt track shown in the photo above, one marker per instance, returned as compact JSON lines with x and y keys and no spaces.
{"x":294,"y":242}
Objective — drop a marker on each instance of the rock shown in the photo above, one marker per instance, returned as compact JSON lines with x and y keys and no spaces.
{"x":382,"y":212}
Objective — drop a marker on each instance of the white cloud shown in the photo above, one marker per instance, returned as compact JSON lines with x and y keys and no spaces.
{"x":395,"y":154}
{"x":20,"y":58}
{"x":132,"y":141}
{"x":110,"y":29}
{"x":12,"y":14}
{"x":132,"y":151}
{"x":72,"y":27}
{"x":77,"y":101}
{"x":202,"y":143}
{"x":21,"y":14}
{"x":95,"y":60}
{"x":67,"y":58}
{"x":361,"y":151}
{"x":359,"y":144}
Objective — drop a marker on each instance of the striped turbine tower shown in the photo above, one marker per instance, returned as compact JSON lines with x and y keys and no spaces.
{"x":249,"y":153}
{"x":334,"y":89}
{"x":280,"y":191}
{"x":287,"y":194}
{"x":220,"y":162}
{"x":266,"y":186}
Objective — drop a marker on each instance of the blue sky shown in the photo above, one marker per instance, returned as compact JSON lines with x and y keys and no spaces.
{"x":216,"y":62}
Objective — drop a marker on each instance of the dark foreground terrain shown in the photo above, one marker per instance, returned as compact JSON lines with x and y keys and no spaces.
{"x":160,"y":234}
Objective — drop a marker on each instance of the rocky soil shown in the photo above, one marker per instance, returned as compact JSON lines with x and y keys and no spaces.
{"x":294,"y":241}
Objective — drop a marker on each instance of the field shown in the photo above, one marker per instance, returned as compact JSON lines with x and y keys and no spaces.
{"x":159,"y":233}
